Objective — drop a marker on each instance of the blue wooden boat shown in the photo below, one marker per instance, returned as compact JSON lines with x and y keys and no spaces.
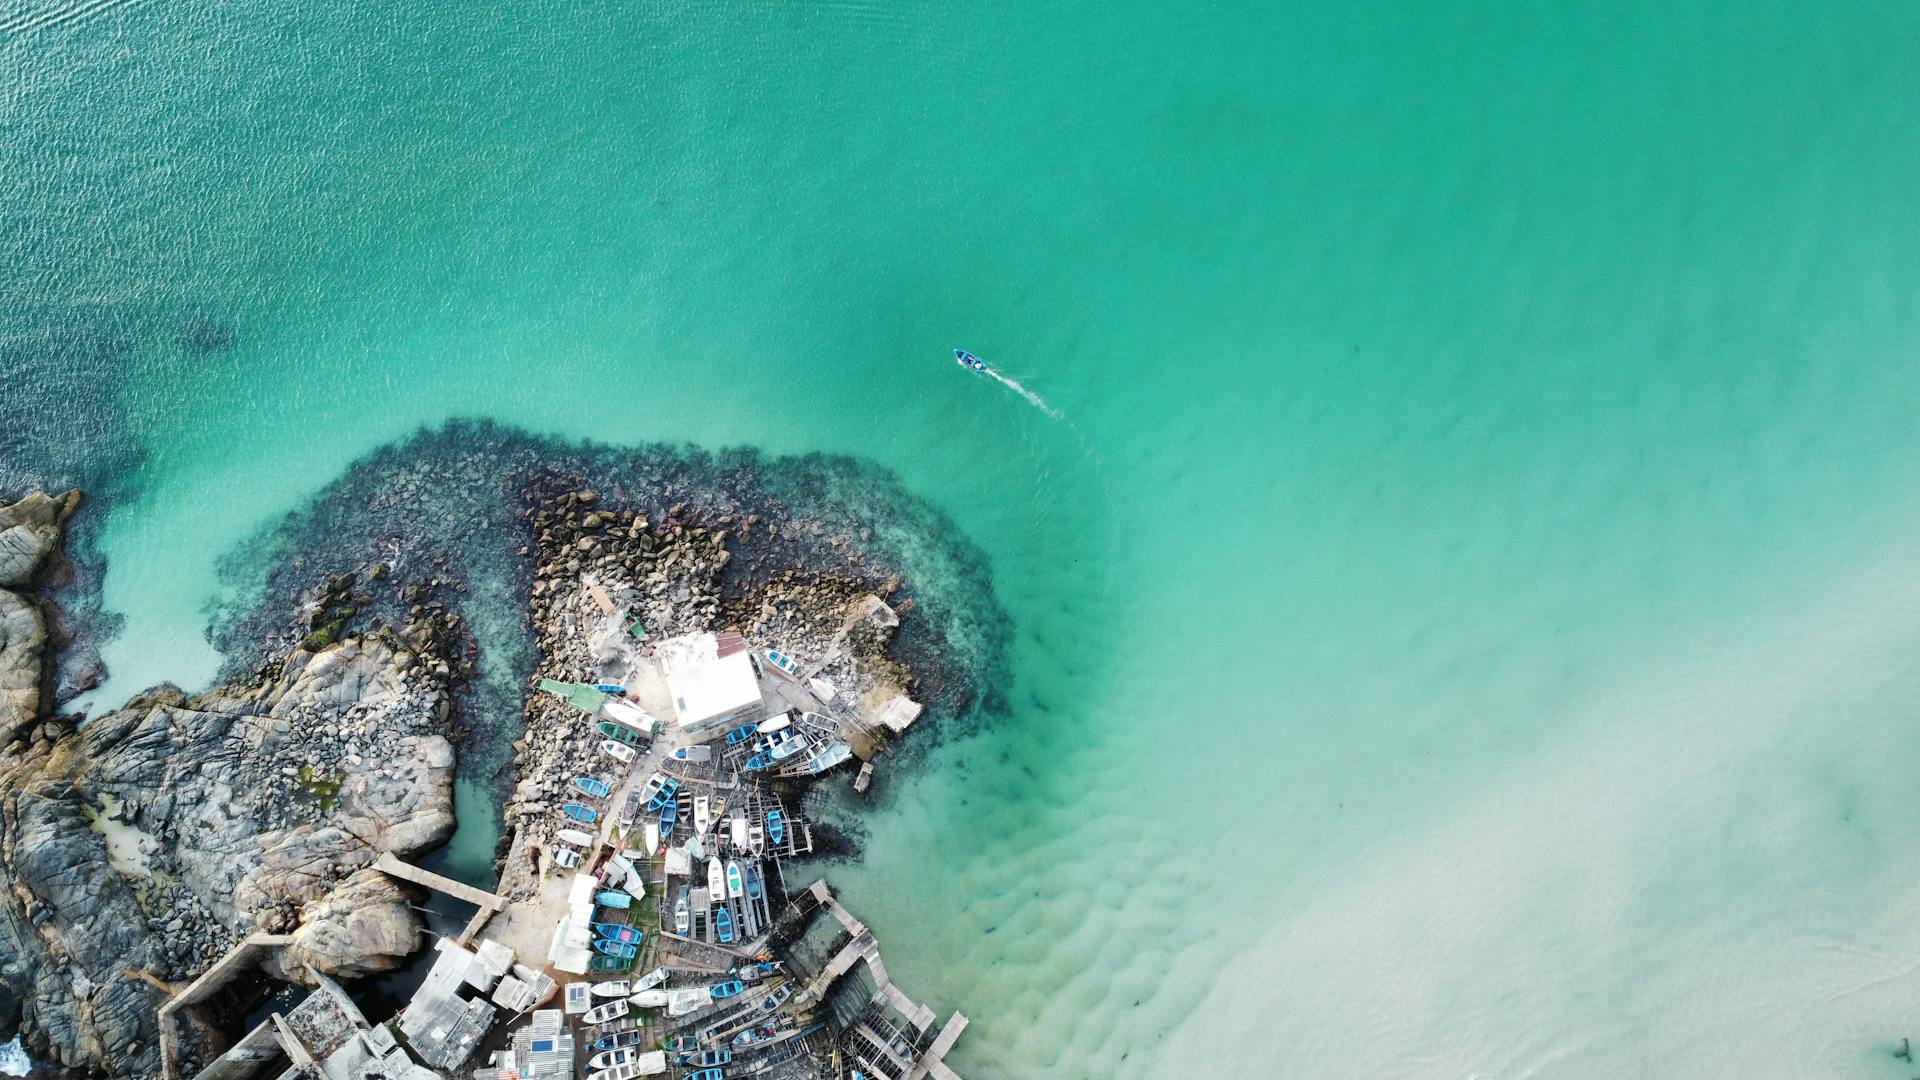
{"x":723,"y":927}
{"x":612,"y":899}
{"x":580,"y":813}
{"x":755,"y":1035}
{"x":665,"y":795}
{"x":683,"y":1044}
{"x":776,"y":826}
{"x":713,"y":1057}
{"x":609,"y":688}
{"x":593,"y":786}
{"x":667,"y":815}
{"x":610,"y":963}
{"x":616,"y":948}
{"x":759,"y":761}
{"x":625,"y":935}
{"x":753,"y":882}
{"x":707,"y":1074}
{"x":726,"y":989}
{"x":969,"y":361}
{"x":741,"y":734}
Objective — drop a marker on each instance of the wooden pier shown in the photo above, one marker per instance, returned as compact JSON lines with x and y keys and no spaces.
{"x":488,"y":903}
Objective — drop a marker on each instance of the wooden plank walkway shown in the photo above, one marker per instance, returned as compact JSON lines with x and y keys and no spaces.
{"x":391,"y":864}
{"x":931,"y":1062}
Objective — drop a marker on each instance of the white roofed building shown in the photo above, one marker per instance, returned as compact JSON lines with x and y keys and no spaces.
{"x":712,"y":683}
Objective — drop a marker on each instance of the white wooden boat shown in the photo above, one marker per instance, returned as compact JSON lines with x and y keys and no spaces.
{"x":611,"y":1059}
{"x":702,"y":815}
{"x":774,"y":723}
{"x":615,"y":988}
{"x":655,"y":998}
{"x":600,"y":1014}
{"x":656,"y":977}
{"x":574,"y":837}
{"x":716,"y":881}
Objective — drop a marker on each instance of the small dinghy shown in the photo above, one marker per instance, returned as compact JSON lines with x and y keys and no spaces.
{"x":969,"y":361}
{"x":613,"y":988}
{"x":716,"y":880}
{"x":615,"y":948}
{"x":593,"y":786}
{"x":652,"y":787}
{"x":626,"y":935}
{"x":574,"y":837}
{"x":617,"y":751}
{"x":566,"y":858}
{"x":755,"y":887}
{"x":776,"y":827}
{"x":656,"y":977}
{"x":736,"y":885}
{"x":702,"y":815}
{"x":723,"y":927}
{"x":608,"y":1059}
{"x":741,"y":734}
{"x":755,"y":1035}
{"x":726,"y":990}
{"x":619,"y":733}
{"x":620,"y":1041}
{"x":580,"y":813}
{"x":609,"y":963}
{"x":652,"y":837}
{"x":682,"y":917}
{"x":609,"y":688}
{"x":774,"y":723}
{"x":707,"y":1058}
{"x":668,"y":814}
{"x":600,"y":1014}
{"x":609,"y":898}
{"x":665,"y":794}
{"x":648,"y":999}
{"x":694,"y":754}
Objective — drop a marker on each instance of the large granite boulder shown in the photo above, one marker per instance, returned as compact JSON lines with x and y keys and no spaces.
{"x":29,"y":532}
{"x":23,"y":638}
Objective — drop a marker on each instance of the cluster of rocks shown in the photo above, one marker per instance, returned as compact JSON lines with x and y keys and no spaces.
{"x":136,"y":849}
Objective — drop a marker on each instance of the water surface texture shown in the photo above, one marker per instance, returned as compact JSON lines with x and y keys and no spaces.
{"x":1464,"y":615}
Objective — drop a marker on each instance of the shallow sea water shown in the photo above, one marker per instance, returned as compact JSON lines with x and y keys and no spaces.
{"x":1463,"y":620}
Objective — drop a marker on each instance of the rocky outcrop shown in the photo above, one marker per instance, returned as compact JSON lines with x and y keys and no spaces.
{"x":23,"y":637}
{"x":29,"y":532}
{"x":362,"y":926}
{"x":138,"y":848}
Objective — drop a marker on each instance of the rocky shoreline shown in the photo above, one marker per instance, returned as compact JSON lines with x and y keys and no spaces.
{"x":140,"y":847}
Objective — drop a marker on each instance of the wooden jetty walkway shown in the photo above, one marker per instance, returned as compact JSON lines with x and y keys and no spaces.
{"x":488,"y":903}
{"x":860,"y":946}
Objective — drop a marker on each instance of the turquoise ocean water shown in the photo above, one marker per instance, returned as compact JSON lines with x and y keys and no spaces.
{"x":1465,"y":614}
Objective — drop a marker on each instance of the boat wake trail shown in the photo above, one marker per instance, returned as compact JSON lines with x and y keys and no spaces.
{"x":973,"y":363}
{"x":1034,"y":399}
